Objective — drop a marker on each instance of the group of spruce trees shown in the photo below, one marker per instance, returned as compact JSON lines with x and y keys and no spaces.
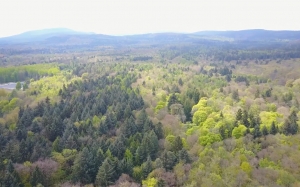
{"x":119,"y":142}
{"x":243,"y":117}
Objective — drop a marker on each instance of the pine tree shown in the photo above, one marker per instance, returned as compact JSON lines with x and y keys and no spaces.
{"x":273,"y":129}
{"x":147,"y":167}
{"x":169,"y":160}
{"x":235,"y":95}
{"x":11,"y":177}
{"x":184,"y":156}
{"x":180,"y":82}
{"x":265,"y":131}
{"x":245,"y":120}
{"x":293,"y":118}
{"x":172,"y":100}
{"x":85,"y":169}
{"x":159,"y":131}
{"x":239,"y":115}
{"x":256,"y":133}
{"x":140,"y":155}
{"x":37,"y":177}
{"x":105,"y":175}
{"x":222,"y":132}
{"x":177,"y":145}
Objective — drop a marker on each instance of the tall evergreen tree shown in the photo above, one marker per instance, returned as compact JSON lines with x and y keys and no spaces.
{"x":273,"y":129}
{"x":256,"y":133}
{"x":11,"y":177}
{"x":177,"y":145}
{"x":147,"y":167}
{"x":84,"y":169}
{"x":37,"y":177}
{"x":105,"y":175}
{"x":265,"y":131}
{"x":172,"y":100}
{"x":239,"y":114}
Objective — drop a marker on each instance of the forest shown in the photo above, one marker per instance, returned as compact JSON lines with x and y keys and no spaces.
{"x":210,"y":113}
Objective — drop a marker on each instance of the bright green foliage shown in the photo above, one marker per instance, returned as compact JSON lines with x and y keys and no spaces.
{"x":160,"y":105}
{"x":209,"y":138}
{"x":199,"y":117}
{"x":267,"y":118}
{"x":96,"y":121}
{"x":239,"y":131}
{"x":151,"y":182}
{"x":246,"y":167}
{"x":266,"y":163}
{"x":8,"y":106}
{"x":20,"y":73}
{"x":202,"y":103}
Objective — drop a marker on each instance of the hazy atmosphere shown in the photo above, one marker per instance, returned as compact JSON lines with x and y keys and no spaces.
{"x":119,"y":17}
{"x":149,"y":93}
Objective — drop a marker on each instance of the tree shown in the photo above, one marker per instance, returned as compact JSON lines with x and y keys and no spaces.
{"x":147,"y":167}
{"x":18,"y":86}
{"x":37,"y":177}
{"x":287,"y":127}
{"x":172,"y":100}
{"x":245,"y":118}
{"x":151,"y":182}
{"x":235,"y":95}
{"x":169,"y":160}
{"x":180,"y":82}
{"x":25,"y":86}
{"x":228,"y":78}
{"x":239,"y":131}
{"x":222,"y":132}
{"x":239,"y":114}
{"x":11,"y":177}
{"x":105,"y":173}
{"x":177,"y":145}
{"x":273,"y":129}
{"x":85,"y":169}
{"x":256,"y":133}
{"x":184,"y":156}
{"x":265,"y":131}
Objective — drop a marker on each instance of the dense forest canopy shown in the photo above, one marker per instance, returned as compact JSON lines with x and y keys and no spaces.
{"x":182,"y":113}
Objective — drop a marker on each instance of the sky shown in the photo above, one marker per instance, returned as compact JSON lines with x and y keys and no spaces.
{"x":123,"y":17}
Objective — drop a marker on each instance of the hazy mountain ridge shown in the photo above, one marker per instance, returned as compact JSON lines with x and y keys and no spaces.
{"x":40,"y":35}
{"x":63,"y":36}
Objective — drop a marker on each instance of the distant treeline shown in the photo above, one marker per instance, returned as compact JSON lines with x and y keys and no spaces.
{"x":142,"y":58}
{"x":21,"y":73}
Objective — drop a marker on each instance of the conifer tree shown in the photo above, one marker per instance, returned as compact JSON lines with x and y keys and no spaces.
{"x":273,"y":129}
{"x":105,"y":175}
{"x":11,"y":177}
{"x":37,"y":177}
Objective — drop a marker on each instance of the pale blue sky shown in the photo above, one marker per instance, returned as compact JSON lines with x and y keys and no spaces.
{"x":119,"y":17}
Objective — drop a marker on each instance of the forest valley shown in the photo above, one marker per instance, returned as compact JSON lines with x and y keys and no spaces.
{"x":179,"y":114}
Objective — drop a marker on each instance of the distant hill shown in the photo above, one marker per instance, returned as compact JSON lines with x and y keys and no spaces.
{"x":64,"y":36}
{"x":254,"y":35}
{"x":40,"y":35}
